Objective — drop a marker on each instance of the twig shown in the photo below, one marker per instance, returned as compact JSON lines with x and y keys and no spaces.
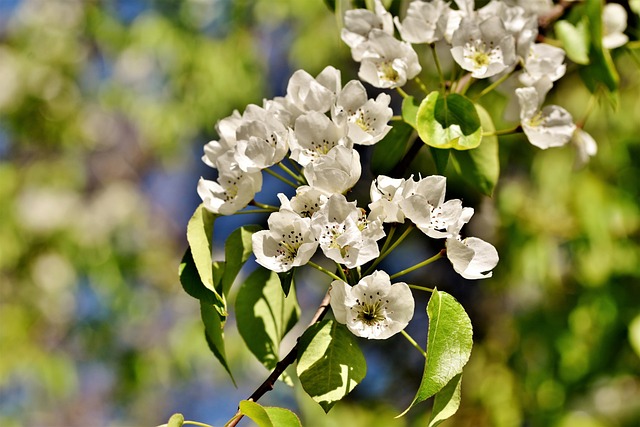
{"x":554,"y":13}
{"x":268,"y":384}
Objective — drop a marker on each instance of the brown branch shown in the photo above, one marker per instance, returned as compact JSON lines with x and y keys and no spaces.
{"x":554,"y":13}
{"x":283,"y":364}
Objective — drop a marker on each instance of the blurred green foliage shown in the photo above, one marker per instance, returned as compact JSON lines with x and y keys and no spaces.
{"x":94,"y":326}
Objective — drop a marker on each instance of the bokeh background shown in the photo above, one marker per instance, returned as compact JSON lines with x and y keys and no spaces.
{"x":104,"y":109}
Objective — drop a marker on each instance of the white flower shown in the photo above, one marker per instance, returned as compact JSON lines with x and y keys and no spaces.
{"x":366,"y":118}
{"x":520,"y":23}
{"x":232,"y":192}
{"x":387,"y":62}
{"x":345,"y":234}
{"x":484,"y":49}
{"x":314,"y":94}
{"x":286,"y":244}
{"x":386,"y":194}
{"x":543,"y":60}
{"x":261,"y":143}
{"x":336,"y":172}
{"x":585,"y":146}
{"x":614,"y":22}
{"x":305,"y":203}
{"x":226,"y":129}
{"x":374,"y":308}
{"x":358,"y":23}
{"x":472,"y":258}
{"x":420,"y":24}
{"x":315,"y":135}
{"x":551,"y":126}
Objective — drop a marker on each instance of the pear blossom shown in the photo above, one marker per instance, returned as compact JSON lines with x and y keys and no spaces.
{"x":315,"y":135}
{"x":520,"y":23}
{"x":614,"y":22}
{"x":261,"y":143}
{"x":307,"y":93}
{"x":386,"y":194}
{"x":551,"y":126}
{"x":484,"y":49}
{"x":373,"y":308}
{"x":305,"y":203}
{"x":287,"y":243}
{"x":388,"y":62}
{"x":345,"y":234}
{"x":358,"y":23}
{"x":366,"y":118}
{"x":585,"y":146}
{"x":336,"y":172}
{"x":226,"y":129}
{"x":420,"y":24}
{"x":232,"y":192}
{"x":472,"y":258}
{"x":543,"y":60}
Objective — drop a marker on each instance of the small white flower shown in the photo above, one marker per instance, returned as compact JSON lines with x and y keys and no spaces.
{"x":358,"y":23}
{"x":614,"y":22}
{"x":585,"y":146}
{"x":374,"y":308}
{"x":306,"y":202}
{"x":420,"y":24}
{"x":472,"y":258}
{"x":484,"y":49}
{"x":286,"y":244}
{"x":226,"y":129}
{"x":551,"y":126}
{"x":366,"y":118}
{"x":344,"y":232}
{"x":261,"y":143}
{"x":520,"y":23}
{"x":336,"y":172}
{"x":314,"y":94}
{"x":386,"y":194}
{"x":388,"y":62}
{"x":232,"y":192}
{"x":315,"y":135}
{"x":543,"y":60}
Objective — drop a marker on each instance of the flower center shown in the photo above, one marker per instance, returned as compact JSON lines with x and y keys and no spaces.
{"x":387,"y":72}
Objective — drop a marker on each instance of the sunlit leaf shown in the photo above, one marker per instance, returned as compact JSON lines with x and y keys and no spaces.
{"x":237,"y":250}
{"x":199,"y":235}
{"x":264,"y":315}
{"x":176,"y":420}
{"x":213,"y":329}
{"x":330,"y":363}
{"x":446,"y":402}
{"x":410,"y":110}
{"x":480,"y":167}
{"x":269,"y":416}
{"x":449,"y":121}
{"x":192,"y":282}
{"x":575,"y":40}
{"x":448,"y":346}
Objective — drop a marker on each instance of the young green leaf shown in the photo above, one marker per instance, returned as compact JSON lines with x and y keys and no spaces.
{"x":199,"y":235}
{"x":575,"y":40}
{"x":449,"y":121}
{"x":389,"y":151}
{"x":446,"y":402}
{"x":213,"y":332}
{"x":237,"y":250}
{"x":330,"y":363}
{"x":192,"y":283}
{"x":176,"y":420}
{"x":448,"y":345}
{"x":269,"y":416}
{"x":264,"y":315}
{"x":410,"y":111}
{"x":480,"y":167}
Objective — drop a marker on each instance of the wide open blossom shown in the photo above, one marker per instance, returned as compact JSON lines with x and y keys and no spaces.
{"x":336,"y":172}
{"x":366,"y":119}
{"x":232,"y":192}
{"x":287,"y":243}
{"x":316,"y":135}
{"x":484,"y":49}
{"x":518,"y":22}
{"x":305,"y":203}
{"x":261,"y":143}
{"x":345,"y":234}
{"x":374,"y":308}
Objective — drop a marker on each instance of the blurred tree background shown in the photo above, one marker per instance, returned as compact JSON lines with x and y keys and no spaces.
{"x":104,"y":109}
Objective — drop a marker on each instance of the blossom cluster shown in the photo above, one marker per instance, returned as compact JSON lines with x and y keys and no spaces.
{"x":495,"y":41}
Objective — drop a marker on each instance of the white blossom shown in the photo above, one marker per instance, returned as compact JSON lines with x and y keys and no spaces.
{"x":261,"y":143}
{"x":472,"y":258}
{"x":287,"y":243}
{"x":420,"y":25}
{"x":614,"y":22}
{"x":315,"y":135}
{"x":543,"y":60}
{"x":373,"y":308}
{"x":484,"y":49}
{"x":520,"y":23}
{"x":388,"y":62}
{"x":585,"y":146}
{"x":226,"y":129}
{"x":336,"y":172}
{"x":358,"y":23}
{"x":307,"y":93}
{"x":386,"y":194}
{"x":551,"y":126}
{"x":305,"y":203}
{"x":344,"y":232}
{"x":366,"y":119}
{"x":232,"y":192}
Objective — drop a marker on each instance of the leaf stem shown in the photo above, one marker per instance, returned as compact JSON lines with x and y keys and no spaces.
{"x":325,"y":271}
{"x":420,"y":84}
{"x":413,"y":343}
{"x":395,"y":244}
{"x":402,"y":92}
{"x":263,"y":206}
{"x":281,"y":178}
{"x":420,"y":288}
{"x":515,"y":129}
{"x":292,"y":174}
{"x":419,"y":265}
{"x":492,"y":86}
{"x":437,"y":62}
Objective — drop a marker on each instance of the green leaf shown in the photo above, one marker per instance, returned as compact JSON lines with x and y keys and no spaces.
{"x":269,"y":416}
{"x":575,"y":40}
{"x":602,"y":72}
{"x":448,"y":345}
{"x":410,"y":111}
{"x":449,"y":121}
{"x":330,"y":363}
{"x":440,"y":158}
{"x":446,"y":402}
{"x":237,"y":250}
{"x":480,"y":167}
{"x":199,"y":235}
{"x":176,"y":420}
{"x":192,"y":283}
{"x":213,"y":332}
{"x":286,"y":280}
{"x":264,"y":315}
{"x":389,"y":151}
